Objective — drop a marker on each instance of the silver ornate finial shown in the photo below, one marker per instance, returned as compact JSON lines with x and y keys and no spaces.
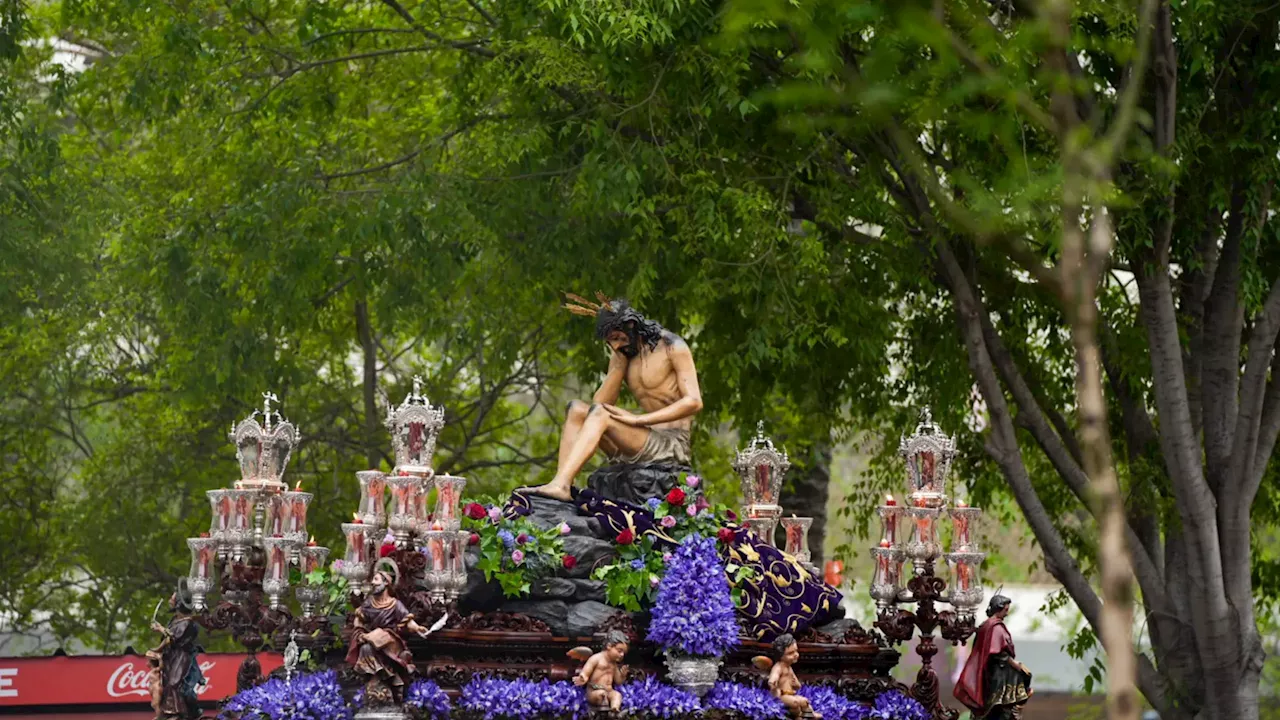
{"x":291,"y":656}
{"x":267,"y":399}
{"x":926,"y":417}
{"x":417,"y":388}
{"x":760,"y":428}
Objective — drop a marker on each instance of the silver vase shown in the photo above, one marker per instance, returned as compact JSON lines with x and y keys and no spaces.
{"x":693,"y":674}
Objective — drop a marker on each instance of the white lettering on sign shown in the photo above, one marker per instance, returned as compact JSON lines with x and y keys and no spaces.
{"x":6,"y":682}
{"x":127,"y":681}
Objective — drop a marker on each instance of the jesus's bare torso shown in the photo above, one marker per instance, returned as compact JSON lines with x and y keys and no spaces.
{"x":652,"y":379}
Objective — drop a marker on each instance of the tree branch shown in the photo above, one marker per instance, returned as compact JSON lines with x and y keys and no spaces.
{"x":471,"y":46}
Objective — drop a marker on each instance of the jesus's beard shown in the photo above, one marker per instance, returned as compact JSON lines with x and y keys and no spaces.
{"x":631,"y":349}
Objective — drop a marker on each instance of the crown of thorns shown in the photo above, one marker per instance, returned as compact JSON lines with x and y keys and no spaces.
{"x":579,"y":305}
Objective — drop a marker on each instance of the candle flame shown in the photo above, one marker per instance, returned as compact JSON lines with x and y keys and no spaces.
{"x":297,"y":486}
{"x":355,"y":517}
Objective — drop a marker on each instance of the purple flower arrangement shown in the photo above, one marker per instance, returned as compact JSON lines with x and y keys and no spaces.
{"x":315,"y":696}
{"x":893,"y":705}
{"x":494,"y":699}
{"x":831,"y":705}
{"x":651,"y":698}
{"x":693,"y":613}
{"x":427,"y":700}
{"x":753,"y":703}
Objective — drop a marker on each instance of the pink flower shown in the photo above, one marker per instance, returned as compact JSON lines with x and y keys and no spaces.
{"x":388,"y":538}
{"x":702,"y":504}
{"x":335,"y":567}
{"x":692,"y":481}
{"x":668,"y":521}
{"x":666,"y":557}
{"x":522,"y":539}
{"x":495,"y":514}
{"x":691,"y":511}
{"x":517,"y":557}
{"x":653,"y":581}
{"x":564,"y":528}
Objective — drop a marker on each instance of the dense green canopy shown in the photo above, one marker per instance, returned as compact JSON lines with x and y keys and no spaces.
{"x":848,"y":208}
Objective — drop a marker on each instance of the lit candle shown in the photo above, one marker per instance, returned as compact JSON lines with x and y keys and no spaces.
{"x":278,"y":561}
{"x":962,"y":575}
{"x":962,"y":531}
{"x":890,"y":531}
{"x":436,"y":545}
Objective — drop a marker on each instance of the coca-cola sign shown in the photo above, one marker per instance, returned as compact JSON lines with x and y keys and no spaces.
{"x":93,"y":680}
{"x":132,"y":679}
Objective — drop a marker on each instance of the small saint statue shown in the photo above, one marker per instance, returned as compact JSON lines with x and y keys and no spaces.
{"x":993,"y":684}
{"x":783,"y":683}
{"x":176,"y":680}
{"x":656,"y":365}
{"x":603,"y":671}
{"x":378,"y":650}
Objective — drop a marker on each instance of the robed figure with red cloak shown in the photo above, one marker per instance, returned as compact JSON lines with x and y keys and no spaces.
{"x":993,"y":684}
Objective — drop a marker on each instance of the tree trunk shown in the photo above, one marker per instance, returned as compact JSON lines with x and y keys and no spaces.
{"x":369,"y":352}
{"x":806,"y":495}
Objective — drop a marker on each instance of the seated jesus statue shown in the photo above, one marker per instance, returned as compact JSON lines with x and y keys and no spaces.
{"x":656,"y":365}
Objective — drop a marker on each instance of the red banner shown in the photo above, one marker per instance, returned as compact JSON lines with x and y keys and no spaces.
{"x":96,"y":679}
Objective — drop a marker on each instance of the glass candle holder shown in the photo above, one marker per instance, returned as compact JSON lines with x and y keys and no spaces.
{"x":311,"y":558}
{"x":240,"y":531}
{"x":923,"y":548}
{"x":404,"y":507}
{"x":373,"y":497}
{"x":795,"y":533}
{"x":275,"y":511}
{"x":357,"y":560}
{"x":886,"y":579}
{"x":965,"y":592}
{"x":275,"y":575}
{"x":200,"y":578}
{"x":763,"y":527}
{"x":889,"y":521}
{"x":448,"y":496}
{"x":963,"y":520}
{"x":439,"y":582}
{"x":457,"y":564}
{"x":220,"y":512}
{"x":296,"y":503}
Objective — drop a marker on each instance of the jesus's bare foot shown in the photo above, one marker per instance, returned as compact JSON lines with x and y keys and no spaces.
{"x":552,"y":490}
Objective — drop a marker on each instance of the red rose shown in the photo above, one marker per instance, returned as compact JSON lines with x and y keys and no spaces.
{"x":569,"y":562}
{"x":675,"y":497}
{"x":386,"y":549}
{"x":726,"y":535}
{"x":475,"y":511}
{"x":626,"y":537}
{"x":733,"y":516}
{"x":475,"y":539}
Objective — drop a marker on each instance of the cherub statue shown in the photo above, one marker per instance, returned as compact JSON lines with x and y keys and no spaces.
{"x":176,"y":681}
{"x":378,"y":651}
{"x":783,"y":682}
{"x":603,"y":671}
